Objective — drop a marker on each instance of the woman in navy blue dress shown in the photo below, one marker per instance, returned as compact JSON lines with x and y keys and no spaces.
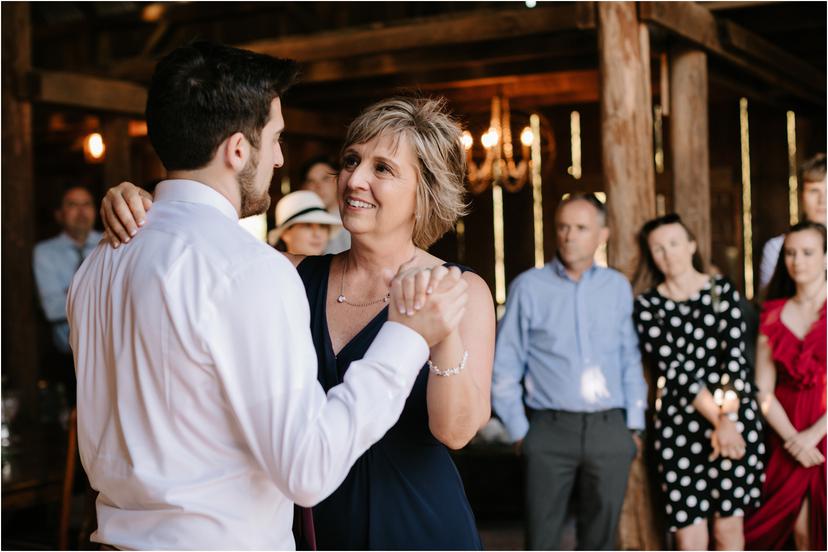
{"x":400,"y":188}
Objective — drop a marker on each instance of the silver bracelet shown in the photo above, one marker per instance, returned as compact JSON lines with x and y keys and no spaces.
{"x":451,"y":371}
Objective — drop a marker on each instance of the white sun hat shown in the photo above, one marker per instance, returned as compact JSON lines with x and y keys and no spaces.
{"x":302,"y":206}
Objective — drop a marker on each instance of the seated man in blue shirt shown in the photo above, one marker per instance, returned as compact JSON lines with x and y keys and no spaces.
{"x":57,"y":259}
{"x":567,"y":349}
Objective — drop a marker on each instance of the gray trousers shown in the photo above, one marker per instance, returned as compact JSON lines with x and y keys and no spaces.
{"x":588,"y":453}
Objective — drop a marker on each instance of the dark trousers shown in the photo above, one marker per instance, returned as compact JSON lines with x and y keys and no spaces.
{"x":588,"y":453}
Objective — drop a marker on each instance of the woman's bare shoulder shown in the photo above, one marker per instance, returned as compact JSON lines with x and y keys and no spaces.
{"x":294,"y":259}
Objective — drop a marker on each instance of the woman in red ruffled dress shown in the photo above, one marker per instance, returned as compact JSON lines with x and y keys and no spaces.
{"x":791,"y":377}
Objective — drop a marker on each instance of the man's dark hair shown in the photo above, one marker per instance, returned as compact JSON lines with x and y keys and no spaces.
{"x":316,"y":160}
{"x":204,"y":92}
{"x":781,"y":284}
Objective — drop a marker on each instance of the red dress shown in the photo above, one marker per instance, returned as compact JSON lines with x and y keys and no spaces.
{"x":801,"y":390}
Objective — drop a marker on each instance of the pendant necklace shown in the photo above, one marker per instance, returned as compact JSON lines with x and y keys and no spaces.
{"x":342,"y":299}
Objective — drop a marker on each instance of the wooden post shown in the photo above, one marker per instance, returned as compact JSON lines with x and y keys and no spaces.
{"x":626,"y":130}
{"x":117,"y":162}
{"x":20,"y":355}
{"x":689,"y":142}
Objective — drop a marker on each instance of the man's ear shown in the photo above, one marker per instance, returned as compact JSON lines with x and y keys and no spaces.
{"x":235,"y":151}
{"x":605,"y":234}
{"x":59,"y":215}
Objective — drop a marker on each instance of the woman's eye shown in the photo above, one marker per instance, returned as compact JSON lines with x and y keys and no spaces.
{"x":350,"y":162}
{"x":383,"y":168}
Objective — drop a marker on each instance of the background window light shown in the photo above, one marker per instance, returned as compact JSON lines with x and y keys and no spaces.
{"x":793,"y":184}
{"x":575,"y":144}
{"x":500,"y":269}
{"x":747,"y":220}
{"x":658,"y":139}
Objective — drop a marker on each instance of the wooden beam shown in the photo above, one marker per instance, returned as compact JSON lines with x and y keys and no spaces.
{"x":314,"y":124}
{"x":360,"y":92}
{"x":470,"y":54}
{"x":539,"y":90}
{"x":689,"y":143}
{"x":442,"y":31}
{"x":754,"y":46}
{"x":20,"y":353}
{"x":445,"y":32}
{"x":87,"y":92}
{"x":626,"y":134}
{"x":110,"y":95}
{"x":697,"y":24}
{"x":739,"y":5}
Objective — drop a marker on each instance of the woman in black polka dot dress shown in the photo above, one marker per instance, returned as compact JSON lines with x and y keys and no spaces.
{"x":708,"y":433}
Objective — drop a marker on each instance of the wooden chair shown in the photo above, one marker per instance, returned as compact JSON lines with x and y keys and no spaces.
{"x":68,"y":481}
{"x":89,"y":519}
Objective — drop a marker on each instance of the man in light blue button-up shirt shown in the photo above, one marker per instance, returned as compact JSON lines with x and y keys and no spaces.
{"x":567,"y":352}
{"x":57,"y":259}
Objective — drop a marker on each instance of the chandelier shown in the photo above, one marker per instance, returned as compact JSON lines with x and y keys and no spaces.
{"x":500,"y":171}
{"x":499,"y":166}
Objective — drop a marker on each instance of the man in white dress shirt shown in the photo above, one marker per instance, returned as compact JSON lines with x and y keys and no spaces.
{"x":200,"y":419}
{"x":812,"y":193}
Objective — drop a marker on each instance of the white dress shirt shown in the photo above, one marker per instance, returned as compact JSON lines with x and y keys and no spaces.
{"x":200,"y":419}
{"x":770,"y":256}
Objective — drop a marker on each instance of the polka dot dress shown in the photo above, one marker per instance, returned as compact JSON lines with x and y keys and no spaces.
{"x":695,"y":345}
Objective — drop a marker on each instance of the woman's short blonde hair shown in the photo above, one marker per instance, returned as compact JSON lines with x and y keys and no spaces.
{"x":441,"y":168}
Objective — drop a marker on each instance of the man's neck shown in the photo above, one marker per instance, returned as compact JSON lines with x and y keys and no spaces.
{"x":576,"y":270}
{"x":79,"y":238}
{"x":225,"y":184}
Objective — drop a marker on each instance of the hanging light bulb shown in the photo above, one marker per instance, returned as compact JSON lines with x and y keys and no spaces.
{"x":468,"y":141}
{"x":490,"y":138}
{"x":526,"y":137}
{"x":94,"y":147}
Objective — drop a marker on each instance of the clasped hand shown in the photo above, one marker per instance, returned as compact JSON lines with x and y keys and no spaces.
{"x":803,"y":447}
{"x":726,"y":440}
{"x":430,"y":301}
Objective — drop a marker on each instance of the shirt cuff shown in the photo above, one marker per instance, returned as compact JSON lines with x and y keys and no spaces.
{"x":401,"y":345}
{"x":517,"y":428}
{"x":635,"y":418}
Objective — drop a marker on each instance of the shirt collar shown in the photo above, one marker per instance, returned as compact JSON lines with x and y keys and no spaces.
{"x":192,"y":191}
{"x":560,"y":270}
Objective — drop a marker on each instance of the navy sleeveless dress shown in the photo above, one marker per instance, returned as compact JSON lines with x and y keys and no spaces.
{"x":404,"y":492}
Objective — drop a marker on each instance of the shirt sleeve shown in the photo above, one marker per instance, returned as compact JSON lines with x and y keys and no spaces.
{"x":511,"y":353}
{"x":635,"y":386}
{"x":260,"y":340}
{"x":51,"y":289}
{"x":770,"y":256}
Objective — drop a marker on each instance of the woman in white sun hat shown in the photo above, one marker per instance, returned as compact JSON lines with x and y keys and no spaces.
{"x":303,"y":226}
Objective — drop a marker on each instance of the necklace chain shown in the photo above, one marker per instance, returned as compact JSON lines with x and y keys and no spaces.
{"x":342,"y":299}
